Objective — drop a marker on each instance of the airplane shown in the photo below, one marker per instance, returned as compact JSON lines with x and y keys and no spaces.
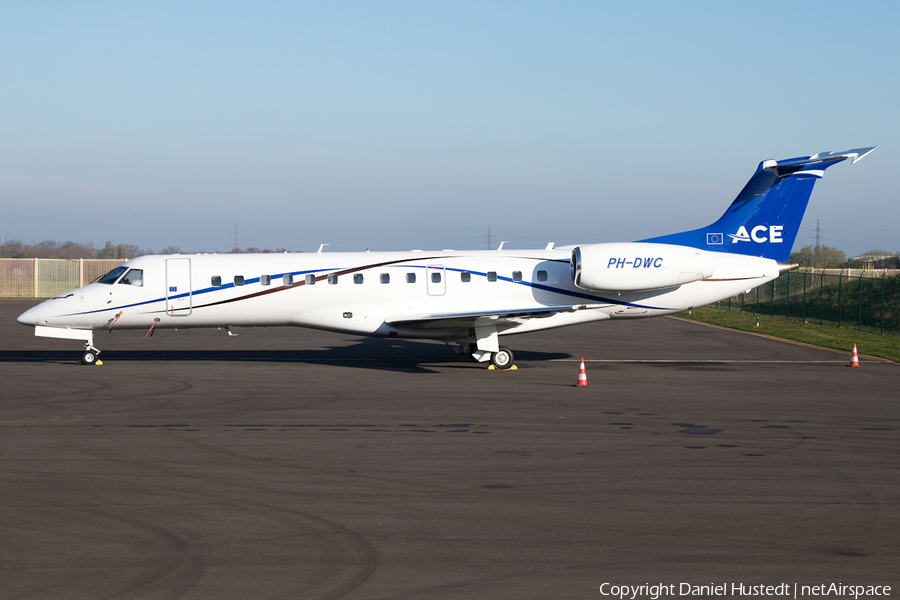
{"x":466,"y":298}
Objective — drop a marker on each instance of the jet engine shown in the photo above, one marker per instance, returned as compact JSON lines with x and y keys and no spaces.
{"x":636,"y":267}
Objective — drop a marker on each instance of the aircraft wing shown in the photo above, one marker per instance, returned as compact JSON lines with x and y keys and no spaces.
{"x":460,"y":320}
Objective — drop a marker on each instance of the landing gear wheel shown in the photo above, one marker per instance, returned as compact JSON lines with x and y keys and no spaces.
{"x":89,"y":357}
{"x":503,"y":359}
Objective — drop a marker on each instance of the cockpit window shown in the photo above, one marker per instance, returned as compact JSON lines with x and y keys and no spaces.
{"x":111,"y":277}
{"x":133,"y":277}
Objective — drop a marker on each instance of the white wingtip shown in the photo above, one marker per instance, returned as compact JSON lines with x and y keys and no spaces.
{"x":865,"y":153}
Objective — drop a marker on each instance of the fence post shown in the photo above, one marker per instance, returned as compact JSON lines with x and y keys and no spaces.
{"x":36,"y":278}
{"x":773,"y":298}
{"x":804,"y":296}
{"x":883,"y":275}
{"x":859,"y":323}
{"x":80,"y":272}
{"x":822,"y":297}
{"x":787,"y":298}
{"x":840,"y":297}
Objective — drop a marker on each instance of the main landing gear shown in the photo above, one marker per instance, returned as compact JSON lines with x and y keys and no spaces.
{"x":501,"y":359}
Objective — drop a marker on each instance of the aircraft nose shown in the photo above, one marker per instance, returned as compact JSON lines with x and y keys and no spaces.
{"x":29,"y":317}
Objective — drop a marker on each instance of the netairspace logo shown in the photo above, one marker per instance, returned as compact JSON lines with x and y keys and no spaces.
{"x":784,"y":590}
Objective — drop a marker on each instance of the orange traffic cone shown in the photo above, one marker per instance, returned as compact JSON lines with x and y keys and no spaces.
{"x":582,"y":376}
{"x":854,"y":358}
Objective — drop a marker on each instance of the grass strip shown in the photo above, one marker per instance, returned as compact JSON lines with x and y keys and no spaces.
{"x":881,"y":346}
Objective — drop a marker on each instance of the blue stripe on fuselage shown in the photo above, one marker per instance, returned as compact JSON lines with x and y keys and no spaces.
{"x":255,"y":280}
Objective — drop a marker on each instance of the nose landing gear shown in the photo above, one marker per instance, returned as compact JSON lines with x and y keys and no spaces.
{"x":89,"y":357}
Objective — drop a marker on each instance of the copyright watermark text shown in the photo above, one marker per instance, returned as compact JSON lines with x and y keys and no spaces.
{"x":784,"y":590}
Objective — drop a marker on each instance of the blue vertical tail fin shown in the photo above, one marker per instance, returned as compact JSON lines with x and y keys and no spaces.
{"x":765,"y":217}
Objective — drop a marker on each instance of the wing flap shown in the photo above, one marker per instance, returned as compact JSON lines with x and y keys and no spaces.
{"x":460,"y":320}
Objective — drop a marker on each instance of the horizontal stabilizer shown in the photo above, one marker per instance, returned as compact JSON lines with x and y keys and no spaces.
{"x":856,"y":154}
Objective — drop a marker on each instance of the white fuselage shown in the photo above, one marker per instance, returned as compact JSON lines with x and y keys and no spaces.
{"x":436,"y":295}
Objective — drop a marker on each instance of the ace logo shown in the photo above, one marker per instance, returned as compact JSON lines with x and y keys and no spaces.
{"x":759,"y":234}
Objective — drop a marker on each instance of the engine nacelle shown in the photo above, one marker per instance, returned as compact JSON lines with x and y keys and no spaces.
{"x":636,"y":267}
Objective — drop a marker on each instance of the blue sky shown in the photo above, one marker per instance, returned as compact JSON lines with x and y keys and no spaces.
{"x":405,"y":125}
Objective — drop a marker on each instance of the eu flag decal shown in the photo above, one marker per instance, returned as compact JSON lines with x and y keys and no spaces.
{"x":714,"y":239}
{"x":173,"y":288}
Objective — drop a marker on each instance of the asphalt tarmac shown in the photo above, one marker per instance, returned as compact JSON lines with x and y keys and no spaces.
{"x":289,"y":463}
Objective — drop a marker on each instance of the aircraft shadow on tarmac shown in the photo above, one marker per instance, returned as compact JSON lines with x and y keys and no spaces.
{"x":366,"y":353}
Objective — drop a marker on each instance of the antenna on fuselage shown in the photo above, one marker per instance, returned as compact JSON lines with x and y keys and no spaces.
{"x":321,"y":246}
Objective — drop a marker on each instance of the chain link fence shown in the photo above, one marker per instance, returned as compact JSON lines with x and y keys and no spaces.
{"x":48,"y":277}
{"x":863,"y":299}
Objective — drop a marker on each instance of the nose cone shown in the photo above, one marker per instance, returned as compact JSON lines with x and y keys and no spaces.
{"x":29,"y":317}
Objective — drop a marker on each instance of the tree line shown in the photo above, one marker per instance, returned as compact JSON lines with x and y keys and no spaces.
{"x":75,"y":250}
{"x":71,"y":250}
{"x":826,"y":257}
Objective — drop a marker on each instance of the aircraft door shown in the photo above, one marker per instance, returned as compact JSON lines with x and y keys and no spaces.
{"x":178,"y":287}
{"x":436,"y":279}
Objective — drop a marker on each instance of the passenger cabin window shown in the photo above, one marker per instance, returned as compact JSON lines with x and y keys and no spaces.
{"x":265,"y":279}
{"x":542,"y":275}
{"x":332,"y":279}
{"x":517,"y":275}
{"x":310,"y":279}
{"x":111,"y":277}
{"x":215,"y":280}
{"x":133,"y":277}
{"x":357,"y":278}
{"x":410,"y":278}
{"x":385,"y":277}
{"x":288,"y":279}
{"x":435,"y":277}
{"x":465,"y":277}
{"x":238,"y":280}
{"x":492,"y":275}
